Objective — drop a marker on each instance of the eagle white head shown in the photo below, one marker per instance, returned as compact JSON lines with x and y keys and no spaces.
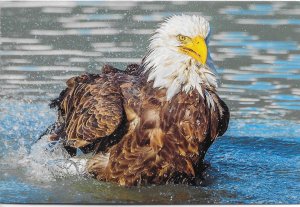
{"x":178,"y":58}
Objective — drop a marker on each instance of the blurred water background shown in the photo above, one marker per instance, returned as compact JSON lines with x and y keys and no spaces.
{"x":254,"y":45}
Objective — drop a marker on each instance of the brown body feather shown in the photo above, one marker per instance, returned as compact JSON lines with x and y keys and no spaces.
{"x":140,"y":136}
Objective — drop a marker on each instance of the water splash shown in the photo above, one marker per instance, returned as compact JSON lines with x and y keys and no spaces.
{"x":45,"y":161}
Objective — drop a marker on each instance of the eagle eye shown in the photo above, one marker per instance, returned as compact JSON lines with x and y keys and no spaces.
{"x":181,"y":38}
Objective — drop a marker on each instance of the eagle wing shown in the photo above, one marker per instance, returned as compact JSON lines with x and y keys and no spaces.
{"x":91,"y":109}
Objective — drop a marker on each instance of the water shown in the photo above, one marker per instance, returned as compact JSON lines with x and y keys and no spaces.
{"x":254,"y":45}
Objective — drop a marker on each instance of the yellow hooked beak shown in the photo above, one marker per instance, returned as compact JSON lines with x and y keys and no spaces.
{"x":196,"y":48}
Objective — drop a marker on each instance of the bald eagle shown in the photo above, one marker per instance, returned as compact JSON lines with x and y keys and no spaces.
{"x":153,"y":122}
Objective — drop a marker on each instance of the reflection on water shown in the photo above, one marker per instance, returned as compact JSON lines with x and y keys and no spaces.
{"x":255,"y":46}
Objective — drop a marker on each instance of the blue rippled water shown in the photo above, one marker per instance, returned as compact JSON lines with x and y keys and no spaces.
{"x":255,"y":46}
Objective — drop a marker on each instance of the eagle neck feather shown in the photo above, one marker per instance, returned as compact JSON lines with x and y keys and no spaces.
{"x":179,"y":73}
